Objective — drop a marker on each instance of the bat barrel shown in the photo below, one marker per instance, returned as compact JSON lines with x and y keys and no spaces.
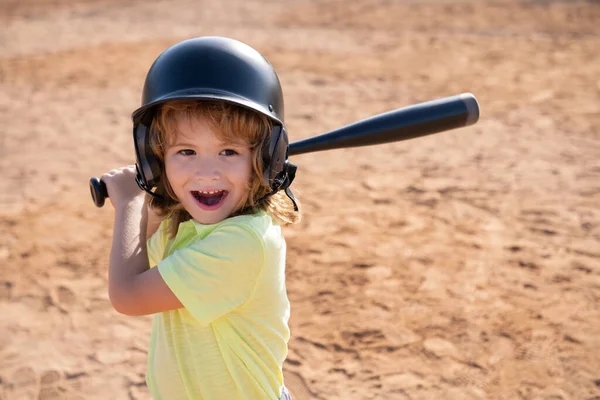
{"x":401,"y":124}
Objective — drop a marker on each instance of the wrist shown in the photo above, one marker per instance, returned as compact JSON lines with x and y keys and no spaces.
{"x":131,"y":203}
{"x":130,"y":219}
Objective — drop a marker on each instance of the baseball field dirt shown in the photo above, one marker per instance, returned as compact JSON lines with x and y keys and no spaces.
{"x":462,"y":265}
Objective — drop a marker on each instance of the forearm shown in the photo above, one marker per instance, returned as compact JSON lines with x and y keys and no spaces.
{"x":128,"y":256}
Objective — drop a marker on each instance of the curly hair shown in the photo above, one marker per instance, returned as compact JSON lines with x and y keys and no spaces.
{"x":231,"y":122}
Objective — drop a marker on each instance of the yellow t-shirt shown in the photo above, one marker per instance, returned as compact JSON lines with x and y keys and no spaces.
{"x":230,"y":339}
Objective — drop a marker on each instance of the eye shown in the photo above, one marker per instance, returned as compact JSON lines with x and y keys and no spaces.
{"x":186,"y":152}
{"x":229,"y":152}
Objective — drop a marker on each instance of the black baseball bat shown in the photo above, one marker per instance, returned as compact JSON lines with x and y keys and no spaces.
{"x":401,"y":124}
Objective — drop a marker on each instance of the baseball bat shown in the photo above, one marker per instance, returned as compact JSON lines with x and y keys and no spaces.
{"x":401,"y":124}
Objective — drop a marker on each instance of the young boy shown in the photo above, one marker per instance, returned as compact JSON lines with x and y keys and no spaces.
{"x":211,"y":151}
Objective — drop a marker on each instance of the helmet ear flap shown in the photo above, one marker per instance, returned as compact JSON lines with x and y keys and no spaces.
{"x":275,"y":154}
{"x":148,"y":166}
{"x":279,"y":172}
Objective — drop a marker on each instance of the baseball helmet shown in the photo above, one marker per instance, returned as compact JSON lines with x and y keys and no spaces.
{"x":214,"y":69}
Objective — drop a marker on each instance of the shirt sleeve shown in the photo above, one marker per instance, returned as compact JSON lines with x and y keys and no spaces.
{"x":217,"y":274}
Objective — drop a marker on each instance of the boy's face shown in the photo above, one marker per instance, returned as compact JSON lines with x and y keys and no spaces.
{"x":210,"y":178}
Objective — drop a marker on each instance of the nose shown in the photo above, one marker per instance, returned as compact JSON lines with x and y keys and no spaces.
{"x":206,"y":169}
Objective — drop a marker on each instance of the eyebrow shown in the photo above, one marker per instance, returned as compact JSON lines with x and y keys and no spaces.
{"x":221,"y":143}
{"x":234,"y":143}
{"x":181,"y":144}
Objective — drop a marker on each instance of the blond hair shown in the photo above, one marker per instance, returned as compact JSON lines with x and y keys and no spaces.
{"x":232,"y":123}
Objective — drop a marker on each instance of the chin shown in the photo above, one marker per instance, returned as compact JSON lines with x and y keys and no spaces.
{"x":209,"y":219}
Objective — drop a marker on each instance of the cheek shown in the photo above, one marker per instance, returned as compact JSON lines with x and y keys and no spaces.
{"x":243,"y":176}
{"x":245,"y":172}
{"x":173,"y":170}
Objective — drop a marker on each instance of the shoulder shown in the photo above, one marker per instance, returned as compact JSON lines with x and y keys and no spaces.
{"x":260,"y":225}
{"x":161,"y":236}
{"x":156,"y":243}
{"x":240,"y":237}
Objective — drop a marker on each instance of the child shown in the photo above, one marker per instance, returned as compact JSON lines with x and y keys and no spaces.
{"x":211,"y":153}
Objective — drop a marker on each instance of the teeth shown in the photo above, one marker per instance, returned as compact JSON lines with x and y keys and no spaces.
{"x":209,"y":191}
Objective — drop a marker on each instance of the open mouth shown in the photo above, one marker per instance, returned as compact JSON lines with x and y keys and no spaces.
{"x":210,"y":198}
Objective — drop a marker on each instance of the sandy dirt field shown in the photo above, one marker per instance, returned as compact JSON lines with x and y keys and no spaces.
{"x":462,"y":265}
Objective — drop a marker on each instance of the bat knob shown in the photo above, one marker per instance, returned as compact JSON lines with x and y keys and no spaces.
{"x":98,"y":191}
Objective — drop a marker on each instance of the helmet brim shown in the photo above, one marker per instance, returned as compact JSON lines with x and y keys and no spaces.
{"x":204,"y":95}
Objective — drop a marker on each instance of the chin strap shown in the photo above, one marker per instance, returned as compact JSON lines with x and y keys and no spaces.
{"x":284,"y":182}
{"x":290,"y":170}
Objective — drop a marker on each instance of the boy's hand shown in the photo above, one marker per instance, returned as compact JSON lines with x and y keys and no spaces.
{"x":121,"y":186}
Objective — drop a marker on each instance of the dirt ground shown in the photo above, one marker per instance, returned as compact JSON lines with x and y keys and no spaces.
{"x":462,"y":265}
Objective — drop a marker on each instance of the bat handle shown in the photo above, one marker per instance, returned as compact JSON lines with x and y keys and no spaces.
{"x":98,"y":191}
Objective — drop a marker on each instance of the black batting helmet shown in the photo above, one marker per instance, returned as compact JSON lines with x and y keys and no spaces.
{"x":213,"y":68}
